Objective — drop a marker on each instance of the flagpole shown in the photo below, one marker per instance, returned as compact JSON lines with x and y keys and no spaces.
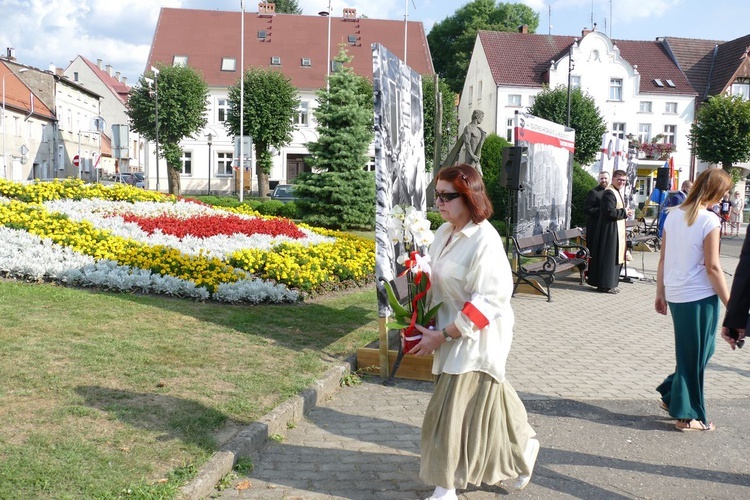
{"x":242,"y":101}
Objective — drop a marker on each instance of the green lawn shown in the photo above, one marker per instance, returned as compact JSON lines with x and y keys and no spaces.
{"x":105,"y":395}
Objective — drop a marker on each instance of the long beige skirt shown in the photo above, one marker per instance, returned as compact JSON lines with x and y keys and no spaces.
{"x":475,"y":430}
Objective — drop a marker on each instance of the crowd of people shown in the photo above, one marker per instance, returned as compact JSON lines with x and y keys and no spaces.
{"x":475,"y":428}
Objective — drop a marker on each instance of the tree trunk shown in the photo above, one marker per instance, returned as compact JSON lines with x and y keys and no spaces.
{"x":262,"y":183}
{"x":173,"y":178}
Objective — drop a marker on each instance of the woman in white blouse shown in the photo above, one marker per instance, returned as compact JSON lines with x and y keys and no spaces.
{"x":735,"y":216}
{"x":475,"y":428}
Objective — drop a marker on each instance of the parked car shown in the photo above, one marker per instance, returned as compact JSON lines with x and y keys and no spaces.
{"x":121,"y":178}
{"x":140,"y":179}
{"x":284,"y":193}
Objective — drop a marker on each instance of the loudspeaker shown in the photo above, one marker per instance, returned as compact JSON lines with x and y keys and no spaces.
{"x":515,"y":161}
{"x":662,"y":179}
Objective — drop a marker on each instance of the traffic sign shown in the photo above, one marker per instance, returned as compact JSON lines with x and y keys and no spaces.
{"x":76,"y":161}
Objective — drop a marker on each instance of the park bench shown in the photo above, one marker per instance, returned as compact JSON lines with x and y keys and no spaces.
{"x":541,"y":257}
{"x":639,"y":232}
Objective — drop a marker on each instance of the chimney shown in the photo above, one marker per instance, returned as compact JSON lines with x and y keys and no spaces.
{"x":350,"y":13}
{"x":266,"y":8}
{"x":109,"y":69}
{"x":117,"y":76}
{"x":52,"y":68}
{"x":124,"y":80}
{"x":11,"y":52}
{"x":99,"y":63}
{"x":524,"y":28}
{"x":585,"y":32}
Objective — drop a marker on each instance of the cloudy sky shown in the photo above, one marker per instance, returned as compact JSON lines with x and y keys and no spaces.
{"x":45,"y":32}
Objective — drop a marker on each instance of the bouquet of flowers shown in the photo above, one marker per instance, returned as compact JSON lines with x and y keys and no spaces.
{"x":410,"y":230}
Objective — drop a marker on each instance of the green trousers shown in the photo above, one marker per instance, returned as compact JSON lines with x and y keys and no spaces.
{"x":694,"y":341}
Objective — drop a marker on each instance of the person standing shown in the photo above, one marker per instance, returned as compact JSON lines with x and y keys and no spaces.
{"x":738,"y":315}
{"x":735,"y":215}
{"x":690,"y":282}
{"x":673,"y":200}
{"x":725,"y":207}
{"x":475,"y":427}
{"x":591,"y":207}
{"x":609,"y":247}
{"x":474,"y":138}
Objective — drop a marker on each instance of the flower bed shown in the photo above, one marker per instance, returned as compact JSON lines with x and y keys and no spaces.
{"x":128,"y":239}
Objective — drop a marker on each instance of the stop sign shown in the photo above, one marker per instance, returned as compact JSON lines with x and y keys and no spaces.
{"x":76,"y":161}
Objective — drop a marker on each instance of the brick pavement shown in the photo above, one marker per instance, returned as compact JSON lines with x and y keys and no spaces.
{"x":586,"y":364}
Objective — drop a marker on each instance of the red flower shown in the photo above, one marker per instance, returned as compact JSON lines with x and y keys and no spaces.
{"x":203,"y":226}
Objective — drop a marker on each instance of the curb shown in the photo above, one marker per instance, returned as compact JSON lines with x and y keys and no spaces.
{"x":254,"y":438}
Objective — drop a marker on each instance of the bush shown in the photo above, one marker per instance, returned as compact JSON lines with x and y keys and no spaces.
{"x":288,"y":210}
{"x":270,"y":207}
{"x":492,"y":158}
{"x":436,"y":220}
{"x":583,"y":182}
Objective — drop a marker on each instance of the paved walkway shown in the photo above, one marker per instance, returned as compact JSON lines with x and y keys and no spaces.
{"x":586,"y":365}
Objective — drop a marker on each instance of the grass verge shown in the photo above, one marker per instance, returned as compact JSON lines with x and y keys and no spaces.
{"x":105,"y":395}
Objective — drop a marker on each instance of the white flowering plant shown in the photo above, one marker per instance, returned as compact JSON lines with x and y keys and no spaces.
{"x":409,"y":230}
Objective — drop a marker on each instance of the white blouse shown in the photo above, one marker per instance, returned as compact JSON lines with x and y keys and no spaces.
{"x":471,"y":276}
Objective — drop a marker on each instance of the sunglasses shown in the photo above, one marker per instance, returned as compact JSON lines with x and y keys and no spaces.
{"x":446,"y":197}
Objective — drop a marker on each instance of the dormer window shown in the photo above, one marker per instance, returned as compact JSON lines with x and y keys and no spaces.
{"x":306,"y":61}
{"x":275,"y":61}
{"x":658,"y":82}
{"x":670,"y":83}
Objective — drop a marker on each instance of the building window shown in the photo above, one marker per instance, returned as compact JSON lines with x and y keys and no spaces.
{"x":75,"y":76}
{"x":532,"y":100}
{"x":509,"y":130}
{"x":187,"y":163}
{"x":645,"y":107}
{"x":370,"y":167}
{"x":275,"y":61}
{"x":644,"y":132}
{"x":224,"y":163}
{"x":479,"y":91}
{"x":742,"y":90}
{"x":180,"y":61}
{"x":222,"y":108}
{"x":306,"y":61}
{"x":352,"y":38}
{"x":670,"y":108}
{"x":471,"y":93}
{"x":228,"y":64}
{"x":303,"y":114}
{"x":615,"y":89}
{"x":575,"y":82}
{"x":618,"y":130}
{"x":262,"y":34}
{"x":669,"y":134}
{"x":514,"y":100}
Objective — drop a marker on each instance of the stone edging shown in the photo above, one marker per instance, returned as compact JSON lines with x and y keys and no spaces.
{"x":253,"y":438}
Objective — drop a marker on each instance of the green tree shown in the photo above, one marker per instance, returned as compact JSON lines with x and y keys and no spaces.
{"x":492,"y":168}
{"x":271,"y":103}
{"x":721,"y":132}
{"x":339,"y":192}
{"x":450,"y":119}
{"x":452,"y":39}
{"x":182,"y":94}
{"x":287,"y":7}
{"x":585,"y":118}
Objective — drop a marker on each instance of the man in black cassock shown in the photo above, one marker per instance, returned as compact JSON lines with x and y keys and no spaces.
{"x":604,"y":271}
{"x":591,"y":208}
{"x":738,"y":308}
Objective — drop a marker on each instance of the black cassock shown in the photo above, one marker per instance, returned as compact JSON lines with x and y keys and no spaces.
{"x":591,"y":207}
{"x":609,"y":250}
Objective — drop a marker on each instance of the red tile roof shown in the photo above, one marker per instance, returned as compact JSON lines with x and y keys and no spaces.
{"x":207,"y":36}
{"x":18,"y":95}
{"x":121,"y":90}
{"x":521,"y":59}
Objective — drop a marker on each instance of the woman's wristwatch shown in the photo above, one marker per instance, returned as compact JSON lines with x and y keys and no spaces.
{"x":448,"y":338}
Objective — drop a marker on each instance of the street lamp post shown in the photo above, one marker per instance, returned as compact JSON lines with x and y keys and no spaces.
{"x":156,"y":113}
{"x":5,"y":158}
{"x":328,"y":46}
{"x":571,"y":65}
{"x":209,"y":141}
